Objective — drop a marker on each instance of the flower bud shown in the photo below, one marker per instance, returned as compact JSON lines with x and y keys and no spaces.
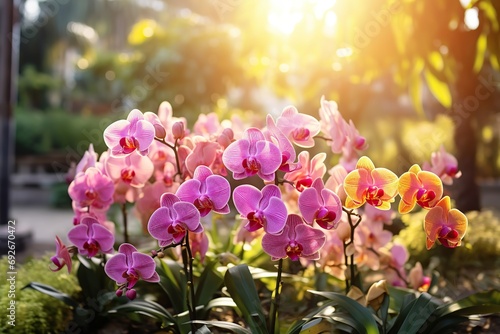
{"x":131,"y":294}
{"x":178,"y":130}
{"x":119,"y":293}
{"x":376,"y":294}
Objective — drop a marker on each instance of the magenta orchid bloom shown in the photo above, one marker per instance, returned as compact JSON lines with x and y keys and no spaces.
{"x":206,"y":191}
{"x":310,"y":169}
{"x":62,"y":256}
{"x":88,"y":160}
{"x":288,"y":155}
{"x":92,"y":189}
{"x":133,"y":134}
{"x":128,"y":267}
{"x":90,"y":237}
{"x":262,"y":208}
{"x":298,"y":240}
{"x":444,"y":165}
{"x":320,"y":205}
{"x":134,"y":169}
{"x":169,"y":223}
{"x":299,"y":128}
{"x":251,"y":155}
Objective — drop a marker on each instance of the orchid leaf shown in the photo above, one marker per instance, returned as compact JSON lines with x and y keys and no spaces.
{"x":363,"y":319}
{"x":415,"y":314}
{"x":147,"y":308}
{"x":233,"y":328}
{"x":210,"y":282}
{"x":50,"y":291}
{"x":173,"y":283}
{"x":241,"y":287}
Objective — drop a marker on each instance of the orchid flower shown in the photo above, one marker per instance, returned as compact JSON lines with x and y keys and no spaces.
{"x":206,"y":191}
{"x":444,"y":224}
{"x":310,"y":169}
{"x":128,"y":267}
{"x":288,"y":154}
{"x":62,"y":256}
{"x":298,"y":240}
{"x":299,"y":128}
{"x":169,"y":223}
{"x":444,"y":165}
{"x":367,"y":184}
{"x":262,"y":208}
{"x":91,"y":237}
{"x":251,"y":155}
{"x":419,"y":187}
{"x":126,"y":136}
{"x":92,"y":189}
{"x":320,"y":205}
{"x":134,"y":169}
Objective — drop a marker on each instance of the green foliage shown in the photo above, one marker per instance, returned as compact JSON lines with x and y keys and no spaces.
{"x":37,"y":312}
{"x":481,"y":238}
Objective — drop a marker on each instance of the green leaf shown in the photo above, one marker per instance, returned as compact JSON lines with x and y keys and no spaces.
{"x":91,"y":277}
{"x":439,"y":89}
{"x":234,"y":328}
{"x":48,"y":290}
{"x":415,"y":87}
{"x":210,"y":282}
{"x":481,"y":44}
{"x":173,"y":282}
{"x":419,"y":311}
{"x":147,"y":308}
{"x":362,"y":318}
{"x":241,"y":287}
{"x":476,"y":304}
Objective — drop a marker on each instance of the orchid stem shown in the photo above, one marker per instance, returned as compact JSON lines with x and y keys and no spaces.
{"x":276,"y":300}
{"x":187,"y":258}
{"x":125,"y":222}
{"x":349,"y":260}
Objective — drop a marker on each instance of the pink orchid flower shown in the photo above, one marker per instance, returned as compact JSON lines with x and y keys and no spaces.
{"x":126,"y":136}
{"x":206,"y":191}
{"x":207,"y":125}
{"x":153,"y":118}
{"x":367,"y":184}
{"x":298,"y":240}
{"x":288,"y":155}
{"x":310,"y":169}
{"x":417,"y":279}
{"x":332,"y":255}
{"x":169,"y":223}
{"x":336,"y":181}
{"x":394,"y":263}
{"x":203,"y":154}
{"x":445,"y":224}
{"x":299,"y":128}
{"x":128,"y":267}
{"x":444,"y":165}
{"x":89,"y":159}
{"x":251,"y":155}
{"x":92,"y":189}
{"x":320,"y":205}
{"x":372,"y":235}
{"x":90,"y":237}
{"x":62,"y":256}
{"x":419,"y":187}
{"x":373,"y":214}
{"x":134,"y":169}
{"x":261,"y":208}
{"x":149,"y":200}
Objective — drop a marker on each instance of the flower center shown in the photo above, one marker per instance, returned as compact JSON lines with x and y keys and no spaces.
{"x":90,"y":194}
{"x":324,"y":217}
{"x":251,"y":165}
{"x":91,"y":247}
{"x":451,"y":170}
{"x":255,"y":221}
{"x":373,"y":195}
{"x":132,"y":277}
{"x":129,"y":144}
{"x":294,"y":250}
{"x":301,"y":134}
{"x":127,"y":175}
{"x":447,"y":237}
{"x":203,"y":204}
{"x":424,"y":197}
{"x":304,"y":183}
{"x":177,"y":231}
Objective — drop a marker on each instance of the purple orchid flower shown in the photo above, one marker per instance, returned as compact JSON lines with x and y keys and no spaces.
{"x":90,"y":237}
{"x":169,"y":223}
{"x":251,"y":155}
{"x":92,"y":189}
{"x":206,"y":191}
{"x":125,"y":136}
{"x":288,"y":155}
{"x":129,"y":266}
{"x":298,"y":240}
{"x":320,"y":205}
{"x":262,"y":209}
{"x":62,"y":257}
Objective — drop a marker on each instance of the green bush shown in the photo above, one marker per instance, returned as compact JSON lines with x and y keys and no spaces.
{"x":37,"y":312}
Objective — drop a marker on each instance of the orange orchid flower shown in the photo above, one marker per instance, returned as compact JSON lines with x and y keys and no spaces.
{"x":444,"y":224}
{"x":367,"y":184}
{"x":419,"y":187}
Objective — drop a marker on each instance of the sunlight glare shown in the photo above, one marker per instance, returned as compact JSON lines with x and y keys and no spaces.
{"x":284,"y":15}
